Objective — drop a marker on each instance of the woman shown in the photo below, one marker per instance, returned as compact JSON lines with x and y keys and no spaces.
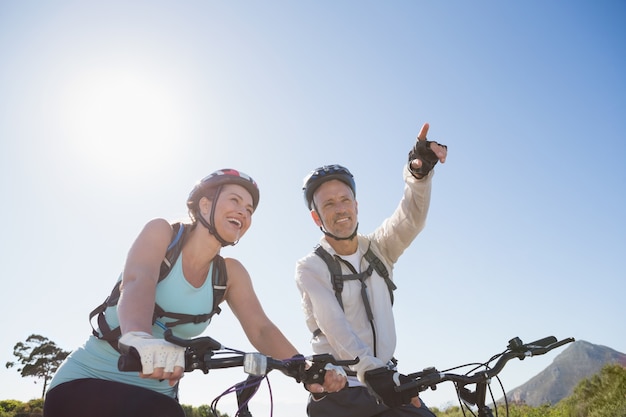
{"x":89,"y":383}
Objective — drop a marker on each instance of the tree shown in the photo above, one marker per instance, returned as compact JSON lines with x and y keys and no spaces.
{"x":15,"y":408}
{"x":39,"y":357}
{"x":602,"y":395}
{"x":201,"y":411}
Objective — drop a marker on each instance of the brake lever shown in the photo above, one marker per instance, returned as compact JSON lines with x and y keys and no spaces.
{"x":328,"y":358}
{"x":317,"y":371}
{"x":198,"y":344}
{"x":315,"y":374}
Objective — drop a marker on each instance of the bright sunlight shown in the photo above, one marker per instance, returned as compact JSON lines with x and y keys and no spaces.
{"x":121,"y":122}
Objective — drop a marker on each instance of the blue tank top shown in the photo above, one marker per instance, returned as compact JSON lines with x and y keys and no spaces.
{"x":97,"y":359}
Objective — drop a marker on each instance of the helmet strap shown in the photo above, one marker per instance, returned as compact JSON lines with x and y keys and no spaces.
{"x":322,"y":228}
{"x":210,"y":227}
{"x":340,"y":238}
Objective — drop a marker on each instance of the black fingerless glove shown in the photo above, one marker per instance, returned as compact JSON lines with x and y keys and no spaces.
{"x":382,"y":383}
{"x":295,"y":367}
{"x":422,"y":151}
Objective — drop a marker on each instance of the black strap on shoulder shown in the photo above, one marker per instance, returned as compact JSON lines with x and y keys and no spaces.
{"x":179,"y":233}
{"x":338,"y":278}
{"x":380,"y":267}
{"x":219,"y":279}
{"x":108,"y":334}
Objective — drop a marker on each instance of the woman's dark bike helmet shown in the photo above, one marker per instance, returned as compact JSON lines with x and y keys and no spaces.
{"x":210,"y":187}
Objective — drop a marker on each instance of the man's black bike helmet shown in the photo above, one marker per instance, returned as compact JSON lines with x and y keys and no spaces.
{"x":322,"y":174}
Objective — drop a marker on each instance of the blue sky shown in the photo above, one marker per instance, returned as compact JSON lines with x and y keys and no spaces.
{"x":109,"y":113}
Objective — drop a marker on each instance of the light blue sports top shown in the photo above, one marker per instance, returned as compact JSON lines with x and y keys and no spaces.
{"x":97,"y":359}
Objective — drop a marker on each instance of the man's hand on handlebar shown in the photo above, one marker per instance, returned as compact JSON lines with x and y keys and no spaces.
{"x":317,"y":377}
{"x":335,"y":380}
{"x":382,"y":383}
{"x":160,"y":359}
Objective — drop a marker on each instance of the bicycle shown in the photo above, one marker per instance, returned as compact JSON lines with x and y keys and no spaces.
{"x":431,"y":377}
{"x":200,"y":354}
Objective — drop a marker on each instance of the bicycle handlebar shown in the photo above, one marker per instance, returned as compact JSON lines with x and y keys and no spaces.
{"x":430,"y":377}
{"x":199,"y":354}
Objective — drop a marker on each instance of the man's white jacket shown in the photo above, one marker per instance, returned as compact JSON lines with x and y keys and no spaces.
{"x":348,"y":334}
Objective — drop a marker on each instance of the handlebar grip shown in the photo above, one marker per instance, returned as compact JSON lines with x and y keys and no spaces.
{"x":546,"y":341}
{"x":129,"y":361}
{"x":554,"y":345}
{"x":421,"y":383}
{"x":561,"y":343}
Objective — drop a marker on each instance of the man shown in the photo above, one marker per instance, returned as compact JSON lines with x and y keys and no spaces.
{"x":346,"y":285}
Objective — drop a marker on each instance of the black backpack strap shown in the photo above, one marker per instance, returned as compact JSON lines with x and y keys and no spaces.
{"x":108,"y":334}
{"x":337,"y":279}
{"x":219,"y":278}
{"x":180,"y":318}
{"x":380,"y":268}
{"x":179,"y":233}
{"x":336,"y":276}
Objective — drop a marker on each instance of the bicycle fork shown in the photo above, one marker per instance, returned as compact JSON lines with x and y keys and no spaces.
{"x":477,"y":398}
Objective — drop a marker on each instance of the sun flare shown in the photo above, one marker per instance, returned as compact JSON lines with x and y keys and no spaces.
{"x":121,"y":121}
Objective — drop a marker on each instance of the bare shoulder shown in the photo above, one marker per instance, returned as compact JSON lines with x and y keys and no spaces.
{"x":158,"y":224}
{"x":154,"y":235}
{"x":237,"y":273}
{"x":233,"y":266}
{"x":147,"y":251}
{"x":157,"y":227}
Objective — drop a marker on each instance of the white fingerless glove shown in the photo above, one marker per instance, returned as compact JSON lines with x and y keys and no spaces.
{"x":154,"y":353}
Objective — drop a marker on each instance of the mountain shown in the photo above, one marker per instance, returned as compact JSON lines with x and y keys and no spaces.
{"x":578,"y":361}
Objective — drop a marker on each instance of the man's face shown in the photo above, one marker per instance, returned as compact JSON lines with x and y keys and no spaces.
{"x":336,"y":208}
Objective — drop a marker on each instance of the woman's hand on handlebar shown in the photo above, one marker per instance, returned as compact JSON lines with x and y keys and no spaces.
{"x":159,"y":359}
{"x":160,"y":374}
